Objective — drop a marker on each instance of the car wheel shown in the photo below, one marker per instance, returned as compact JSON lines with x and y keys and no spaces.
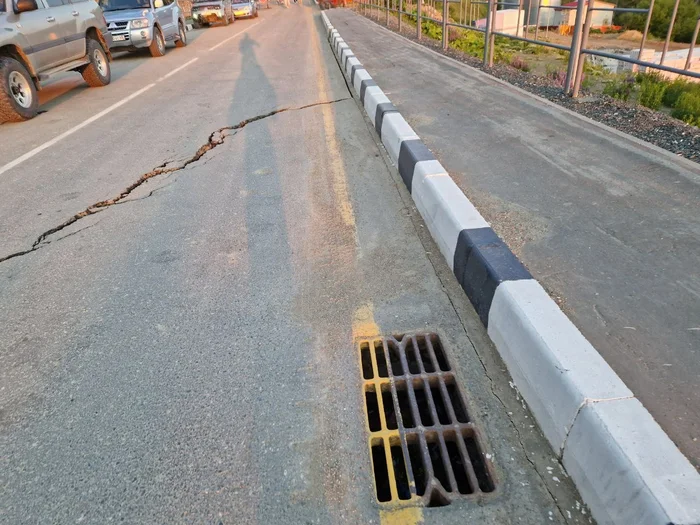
{"x":182,"y":41}
{"x":18,"y":98}
{"x":97,"y":73}
{"x":196,"y":25}
{"x":157,"y":47}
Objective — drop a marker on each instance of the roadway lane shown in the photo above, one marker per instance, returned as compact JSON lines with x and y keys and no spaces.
{"x":186,"y":355}
{"x":144,"y":132}
{"x":609,"y":227}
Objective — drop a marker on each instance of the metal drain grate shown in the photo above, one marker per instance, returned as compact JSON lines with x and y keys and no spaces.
{"x":424,"y":448}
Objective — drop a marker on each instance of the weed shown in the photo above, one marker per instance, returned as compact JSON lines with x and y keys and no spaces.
{"x":650,"y":76}
{"x":595,"y":70}
{"x":620,"y":87}
{"x":676,"y":88}
{"x":558,"y":76}
{"x":651,"y":92}
{"x":520,"y":63}
{"x":687,"y":108}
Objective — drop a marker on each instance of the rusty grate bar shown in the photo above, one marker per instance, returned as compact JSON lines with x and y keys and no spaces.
{"x":425,"y":450}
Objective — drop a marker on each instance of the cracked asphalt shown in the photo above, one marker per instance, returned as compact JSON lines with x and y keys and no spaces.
{"x":181,"y":284}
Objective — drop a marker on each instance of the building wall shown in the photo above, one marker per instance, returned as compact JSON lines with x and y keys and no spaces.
{"x":600,"y":18}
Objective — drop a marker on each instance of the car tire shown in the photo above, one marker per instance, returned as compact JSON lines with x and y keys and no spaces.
{"x":18,"y":97}
{"x":196,"y":25}
{"x":182,"y":33}
{"x":97,"y":73}
{"x":157,"y":47}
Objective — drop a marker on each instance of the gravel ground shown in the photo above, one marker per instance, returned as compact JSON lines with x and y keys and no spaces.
{"x":651,"y":126}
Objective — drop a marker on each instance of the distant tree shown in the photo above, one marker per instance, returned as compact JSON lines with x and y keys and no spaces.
{"x":688,"y":12}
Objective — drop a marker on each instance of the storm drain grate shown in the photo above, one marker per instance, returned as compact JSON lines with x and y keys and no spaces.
{"x":423,"y":446}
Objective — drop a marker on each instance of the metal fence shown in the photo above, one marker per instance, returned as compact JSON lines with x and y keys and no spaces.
{"x":533,"y":18}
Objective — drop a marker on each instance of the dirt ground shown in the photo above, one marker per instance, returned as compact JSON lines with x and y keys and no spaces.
{"x":615,"y":40}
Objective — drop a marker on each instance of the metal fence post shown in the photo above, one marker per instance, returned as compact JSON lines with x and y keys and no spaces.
{"x":492,"y":38}
{"x":580,"y":66}
{"x":646,"y":29}
{"x":419,"y":29}
{"x":445,"y":14}
{"x":387,"y":12}
{"x":692,"y":44}
{"x":575,"y":46}
{"x":400,"y":14}
{"x":670,"y":30}
{"x":537,"y":23}
{"x":487,"y":34}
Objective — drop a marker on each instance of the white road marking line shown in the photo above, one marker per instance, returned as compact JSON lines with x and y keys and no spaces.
{"x":183,"y":66}
{"x":234,"y":36}
{"x":48,"y":144}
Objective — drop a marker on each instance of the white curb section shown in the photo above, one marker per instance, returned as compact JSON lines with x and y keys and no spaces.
{"x":443,"y":206}
{"x":554,"y":366}
{"x":625,"y":467}
{"x":660,"y":485}
{"x":397,"y":130}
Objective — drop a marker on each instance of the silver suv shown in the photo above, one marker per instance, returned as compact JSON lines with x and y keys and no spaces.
{"x":136,"y":24}
{"x":40,"y":38}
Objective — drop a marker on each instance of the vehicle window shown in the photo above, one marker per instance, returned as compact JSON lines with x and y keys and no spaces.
{"x":54,"y":3}
{"x":240,"y":1}
{"x":119,"y":5}
{"x":77,"y":1}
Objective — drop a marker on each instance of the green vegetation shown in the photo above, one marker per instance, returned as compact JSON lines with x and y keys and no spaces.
{"x":688,"y":12}
{"x":675,"y":89}
{"x":654,"y":91}
{"x":688,"y":108}
{"x":651,"y":93}
{"x":620,"y":87}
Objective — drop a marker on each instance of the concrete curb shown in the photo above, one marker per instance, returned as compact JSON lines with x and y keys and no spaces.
{"x":626,"y":468}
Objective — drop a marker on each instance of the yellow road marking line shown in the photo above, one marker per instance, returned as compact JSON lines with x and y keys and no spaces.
{"x":339,"y":180}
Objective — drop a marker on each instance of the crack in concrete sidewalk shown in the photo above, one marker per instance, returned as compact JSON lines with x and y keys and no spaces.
{"x":216,"y":138}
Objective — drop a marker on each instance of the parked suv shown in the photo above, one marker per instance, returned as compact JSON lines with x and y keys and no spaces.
{"x":40,"y":38}
{"x":136,"y":24}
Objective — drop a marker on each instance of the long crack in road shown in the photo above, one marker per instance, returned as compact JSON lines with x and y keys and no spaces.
{"x":216,"y":138}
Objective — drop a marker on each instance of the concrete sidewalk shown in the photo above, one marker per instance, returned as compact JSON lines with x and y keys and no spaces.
{"x":607,"y":225}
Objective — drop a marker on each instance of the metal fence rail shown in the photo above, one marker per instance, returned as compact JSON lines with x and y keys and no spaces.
{"x":484,"y":12}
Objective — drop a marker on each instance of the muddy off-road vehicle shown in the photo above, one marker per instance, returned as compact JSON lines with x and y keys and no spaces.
{"x":207,"y":12}
{"x":41,"y":38}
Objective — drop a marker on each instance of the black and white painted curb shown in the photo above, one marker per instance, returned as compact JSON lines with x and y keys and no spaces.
{"x":626,"y":468}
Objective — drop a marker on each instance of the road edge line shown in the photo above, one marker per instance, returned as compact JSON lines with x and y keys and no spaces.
{"x":624,"y":465}
{"x":233,"y":36}
{"x":31,"y":153}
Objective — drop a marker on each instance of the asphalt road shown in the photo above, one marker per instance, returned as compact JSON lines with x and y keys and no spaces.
{"x":188,"y":257}
{"x":609,"y":227}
